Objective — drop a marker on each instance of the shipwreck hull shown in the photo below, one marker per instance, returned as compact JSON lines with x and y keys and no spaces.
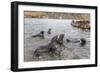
{"x":81,"y":24}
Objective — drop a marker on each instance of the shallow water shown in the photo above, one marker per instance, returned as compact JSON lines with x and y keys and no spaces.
{"x":74,"y":51}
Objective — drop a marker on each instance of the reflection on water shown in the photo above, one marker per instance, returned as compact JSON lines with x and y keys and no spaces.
{"x":34,"y":26}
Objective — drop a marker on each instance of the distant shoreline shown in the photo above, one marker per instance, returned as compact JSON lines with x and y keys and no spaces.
{"x":56,"y":15}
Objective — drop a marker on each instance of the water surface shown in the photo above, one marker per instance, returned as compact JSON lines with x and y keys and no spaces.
{"x":74,"y":51}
